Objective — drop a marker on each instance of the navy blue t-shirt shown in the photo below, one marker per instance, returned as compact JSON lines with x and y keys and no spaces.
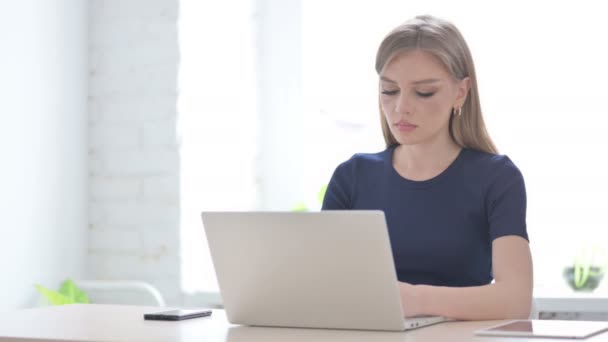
{"x":441,"y":230}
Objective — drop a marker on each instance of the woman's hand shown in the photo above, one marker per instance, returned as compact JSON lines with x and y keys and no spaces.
{"x":509,"y":297}
{"x":411,"y":300}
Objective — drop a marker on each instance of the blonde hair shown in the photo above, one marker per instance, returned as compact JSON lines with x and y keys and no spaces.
{"x":442,"y":39}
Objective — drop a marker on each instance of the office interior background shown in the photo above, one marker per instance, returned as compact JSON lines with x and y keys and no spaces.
{"x":121,"y":120}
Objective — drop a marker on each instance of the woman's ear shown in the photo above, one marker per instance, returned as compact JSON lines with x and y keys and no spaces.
{"x":462,"y":91}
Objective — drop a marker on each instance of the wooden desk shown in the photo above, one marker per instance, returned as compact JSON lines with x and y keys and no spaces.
{"x":125,"y":323}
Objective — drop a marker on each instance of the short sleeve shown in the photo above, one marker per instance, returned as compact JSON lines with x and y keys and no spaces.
{"x":340,"y":188}
{"x":506,"y":201}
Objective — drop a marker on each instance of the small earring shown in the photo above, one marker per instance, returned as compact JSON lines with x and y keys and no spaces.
{"x":457,"y":112}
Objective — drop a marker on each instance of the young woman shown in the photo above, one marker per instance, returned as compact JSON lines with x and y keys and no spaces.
{"x":455,"y":209}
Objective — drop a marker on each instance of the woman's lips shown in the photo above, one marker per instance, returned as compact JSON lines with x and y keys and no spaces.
{"x":404,"y":126}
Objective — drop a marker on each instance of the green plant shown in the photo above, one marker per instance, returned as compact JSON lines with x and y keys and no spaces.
{"x":587,"y":270}
{"x":68,"y":293}
{"x":301,"y":206}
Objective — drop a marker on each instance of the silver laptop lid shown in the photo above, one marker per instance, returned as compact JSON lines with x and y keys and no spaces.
{"x":330,"y":269}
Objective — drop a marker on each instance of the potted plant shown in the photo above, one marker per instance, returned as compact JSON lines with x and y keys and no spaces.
{"x":68,"y":293}
{"x":302,"y":207}
{"x":587,"y":271}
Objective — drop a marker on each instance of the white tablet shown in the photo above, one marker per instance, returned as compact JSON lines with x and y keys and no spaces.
{"x":546,"y":328}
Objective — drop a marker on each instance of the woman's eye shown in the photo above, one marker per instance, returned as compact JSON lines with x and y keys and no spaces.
{"x":390,"y":92}
{"x":425,"y":94}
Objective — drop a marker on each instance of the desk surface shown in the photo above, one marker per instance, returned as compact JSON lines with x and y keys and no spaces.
{"x":126,"y":323}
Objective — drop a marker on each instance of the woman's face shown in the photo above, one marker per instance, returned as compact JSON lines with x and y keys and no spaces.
{"x":417,"y":94}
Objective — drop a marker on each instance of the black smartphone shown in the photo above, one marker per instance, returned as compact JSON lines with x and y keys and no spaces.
{"x":177,"y":314}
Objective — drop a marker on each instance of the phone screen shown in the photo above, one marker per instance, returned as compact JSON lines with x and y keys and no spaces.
{"x":177,"y":314}
{"x":181,"y":312}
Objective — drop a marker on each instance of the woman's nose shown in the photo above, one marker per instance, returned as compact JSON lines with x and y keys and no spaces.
{"x":403,"y":104}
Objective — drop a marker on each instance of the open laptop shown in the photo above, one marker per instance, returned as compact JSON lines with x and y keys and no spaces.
{"x":329,"y":269}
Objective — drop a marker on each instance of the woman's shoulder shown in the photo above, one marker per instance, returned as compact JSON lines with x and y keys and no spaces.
{"x":367,"y":159}
{"x":365,"y":163}
{"x":490,"y":163}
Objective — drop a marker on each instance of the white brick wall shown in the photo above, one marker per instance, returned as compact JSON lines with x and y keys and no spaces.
{"x":133,"y":145}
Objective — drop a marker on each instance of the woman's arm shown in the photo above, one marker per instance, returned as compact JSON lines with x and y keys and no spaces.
{"x":509,"y":297}
{"x":338,"y":195}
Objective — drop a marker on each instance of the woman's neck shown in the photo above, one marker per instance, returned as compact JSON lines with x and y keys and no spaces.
{"x":426,"y":160}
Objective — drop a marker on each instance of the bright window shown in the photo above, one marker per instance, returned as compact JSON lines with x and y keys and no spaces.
{"x":218,"y":124}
